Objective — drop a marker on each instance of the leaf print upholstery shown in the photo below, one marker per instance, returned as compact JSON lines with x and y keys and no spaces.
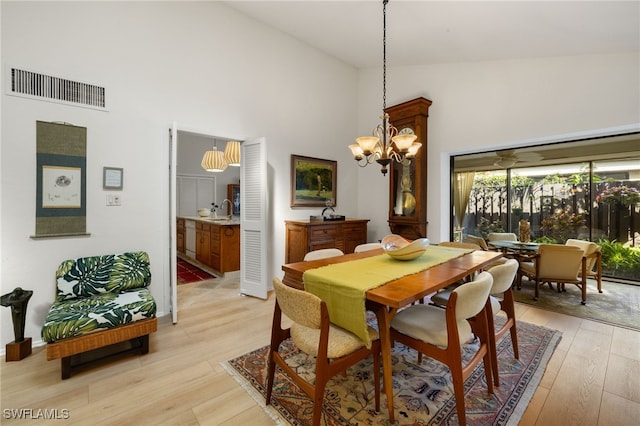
{"x":88,"y":276}
{"x":99,"y":292}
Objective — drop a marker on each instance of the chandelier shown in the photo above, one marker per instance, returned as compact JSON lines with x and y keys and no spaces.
{"x":385,"y":144}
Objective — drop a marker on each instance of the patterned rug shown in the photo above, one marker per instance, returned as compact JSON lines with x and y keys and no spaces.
{"x":423,"y":394}
{"x":618,"y":304}
{"x":187,"y":273}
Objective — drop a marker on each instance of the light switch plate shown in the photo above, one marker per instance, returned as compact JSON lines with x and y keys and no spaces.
{"x":114,"y":200}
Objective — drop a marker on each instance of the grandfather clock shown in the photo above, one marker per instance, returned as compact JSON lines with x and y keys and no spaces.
{"x":408,"y":180}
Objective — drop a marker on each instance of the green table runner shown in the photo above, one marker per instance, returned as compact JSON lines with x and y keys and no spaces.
{"x":343,"y":285}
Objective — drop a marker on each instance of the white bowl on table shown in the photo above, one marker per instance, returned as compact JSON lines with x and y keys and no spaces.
{"x":400,"y":248}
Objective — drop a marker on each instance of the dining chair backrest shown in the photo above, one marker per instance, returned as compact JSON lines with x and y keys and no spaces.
{"x":503,"y":276}
{"x":457,"y":244}
{"x":323,"y":253}
{"x":589,"y":249}
{"x":300,"y":306}
{"x":559,"y":261}
{"x":366,"y":247}
{"x":473,"y":296}
{"x":502,"y":236}
{"x":476,"y":240}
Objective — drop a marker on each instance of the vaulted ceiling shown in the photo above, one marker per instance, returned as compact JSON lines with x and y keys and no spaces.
{"x":424,"y":32}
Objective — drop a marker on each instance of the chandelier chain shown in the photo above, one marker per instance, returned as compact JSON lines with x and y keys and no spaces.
{"x":384,"y":55}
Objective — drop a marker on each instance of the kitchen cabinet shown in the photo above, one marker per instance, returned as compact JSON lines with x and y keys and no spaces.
{"x":180,"y":236}
{"x":216,"y":244}
{"x":225,"y":247}
{"x":303,"y":236}
{"x":203,"y":242}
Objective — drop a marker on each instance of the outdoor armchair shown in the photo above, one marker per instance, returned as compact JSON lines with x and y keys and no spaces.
{"x":556,"y":263}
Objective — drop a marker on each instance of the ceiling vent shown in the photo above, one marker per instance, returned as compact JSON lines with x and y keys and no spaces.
{"x":34,"y":85}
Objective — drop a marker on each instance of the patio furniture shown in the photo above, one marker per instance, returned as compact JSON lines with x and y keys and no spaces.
{"x":593,"y":254}
{"x":557,"y":263}
{"x":476,"y":240}
{"x":502,"y":236}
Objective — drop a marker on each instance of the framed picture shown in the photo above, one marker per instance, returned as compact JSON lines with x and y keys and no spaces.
{"x":112,"y":178}
{"x":61,"y":187}
{"x":313,"y":182}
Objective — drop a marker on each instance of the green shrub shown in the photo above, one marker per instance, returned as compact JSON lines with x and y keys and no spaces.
{"x":620,"y":261}
{"x":485,"y":227}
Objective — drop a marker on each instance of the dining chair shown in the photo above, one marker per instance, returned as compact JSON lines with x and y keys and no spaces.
{"x":502,"y":236}
{"x":593,"y":254}
{"x":333,"y":348}
{"x":556,"y":263}
{"x":366,"y":247}
{"x":501,"y":297}
{"x":440,"y":333}
{"x":322,"y":254}
{"x":476,"y":240}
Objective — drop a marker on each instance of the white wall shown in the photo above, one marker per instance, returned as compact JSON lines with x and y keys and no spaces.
{"x":477,"y":106}
{"x":200,"y":64}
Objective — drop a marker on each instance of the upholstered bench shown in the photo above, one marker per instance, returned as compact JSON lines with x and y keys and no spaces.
{"x":100,"y":301}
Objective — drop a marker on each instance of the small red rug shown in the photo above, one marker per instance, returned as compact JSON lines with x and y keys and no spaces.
{"x":187,"y":273}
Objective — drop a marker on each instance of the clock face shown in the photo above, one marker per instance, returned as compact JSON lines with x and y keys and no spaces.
{"x":406,"y":131}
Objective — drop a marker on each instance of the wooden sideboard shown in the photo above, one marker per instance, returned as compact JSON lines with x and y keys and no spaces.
{"x":303,"y":236}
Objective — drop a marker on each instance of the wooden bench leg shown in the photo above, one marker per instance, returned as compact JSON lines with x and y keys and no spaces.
{"x":144,"y":344}
{"x":65,"y":364}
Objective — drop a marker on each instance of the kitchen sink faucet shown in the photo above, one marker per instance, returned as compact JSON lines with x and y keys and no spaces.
{"x":230,"y":207}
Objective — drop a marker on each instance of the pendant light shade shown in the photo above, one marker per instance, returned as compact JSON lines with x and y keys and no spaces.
{"x":232,"y":153}
{"x":213,"y":161}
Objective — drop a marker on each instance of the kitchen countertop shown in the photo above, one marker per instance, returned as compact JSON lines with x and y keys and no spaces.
{"x":220,"y":221}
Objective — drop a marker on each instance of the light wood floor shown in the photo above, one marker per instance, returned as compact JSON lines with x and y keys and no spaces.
{"x":592,"y":379}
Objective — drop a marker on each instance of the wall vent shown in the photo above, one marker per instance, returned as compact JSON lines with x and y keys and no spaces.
{"x":35,"y":85}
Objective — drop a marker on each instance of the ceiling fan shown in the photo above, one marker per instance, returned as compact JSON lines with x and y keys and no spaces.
{"x":510,"y":157}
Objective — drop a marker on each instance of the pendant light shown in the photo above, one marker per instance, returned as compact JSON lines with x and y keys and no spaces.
{"x":232,"y":153}
{"x":213,"y":161}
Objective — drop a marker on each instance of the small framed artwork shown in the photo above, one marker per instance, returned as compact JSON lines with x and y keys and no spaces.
{"x":112,"y":178}
{"x":313,"y":182}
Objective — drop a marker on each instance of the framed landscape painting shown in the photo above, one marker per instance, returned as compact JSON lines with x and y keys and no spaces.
{"x":313,"y":182}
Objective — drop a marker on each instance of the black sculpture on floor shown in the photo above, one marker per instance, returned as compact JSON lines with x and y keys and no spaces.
{"x":18,"y":300}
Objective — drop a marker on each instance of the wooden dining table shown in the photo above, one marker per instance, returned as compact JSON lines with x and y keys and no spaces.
{"x":387,"y":299}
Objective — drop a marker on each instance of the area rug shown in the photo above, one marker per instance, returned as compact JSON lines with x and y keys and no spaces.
{"x":187,"y":273}
{"x":618,"y":304}
{"x":423,"y":394}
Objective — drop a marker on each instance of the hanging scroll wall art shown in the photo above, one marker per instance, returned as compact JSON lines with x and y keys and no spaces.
{"x":61,"y":201}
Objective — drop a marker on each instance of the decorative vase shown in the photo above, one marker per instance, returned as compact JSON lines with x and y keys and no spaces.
{"x":408,"y":203}
{"x":408,"y":200}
